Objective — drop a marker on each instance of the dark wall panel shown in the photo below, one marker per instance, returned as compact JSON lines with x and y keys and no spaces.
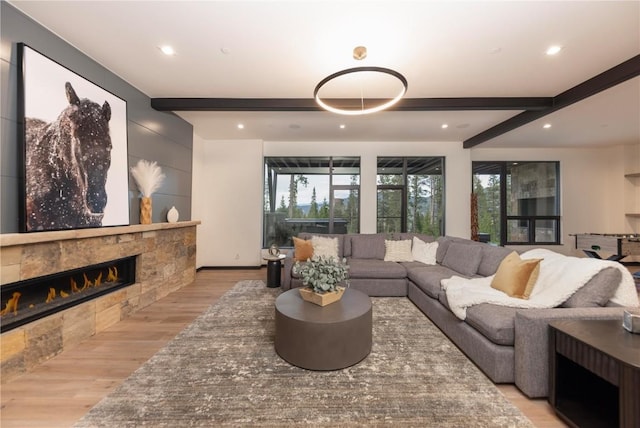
{"x":152,"y":135}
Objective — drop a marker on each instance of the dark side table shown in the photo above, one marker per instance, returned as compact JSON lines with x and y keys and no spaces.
{"x":274,"y":268}
{"x":594,"y":373}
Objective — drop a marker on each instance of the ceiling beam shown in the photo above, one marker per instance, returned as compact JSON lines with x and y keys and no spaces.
{"x":603,"y":81}
{"x":308,"y":104}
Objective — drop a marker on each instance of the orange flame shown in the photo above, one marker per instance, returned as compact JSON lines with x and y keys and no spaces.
{"x":74,"y":286}
{"x":87,"y":283}
{"x":51,"y":295}
{"x":113,"y":274}
{"x":63,"y":294}
{"x":12,"y":304}
{"x":98,"y":280}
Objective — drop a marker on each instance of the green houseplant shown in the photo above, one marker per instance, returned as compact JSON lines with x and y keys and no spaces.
{"x":322,"y":276}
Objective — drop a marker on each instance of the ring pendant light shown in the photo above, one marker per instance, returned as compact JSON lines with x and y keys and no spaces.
{"x":359,"y":53}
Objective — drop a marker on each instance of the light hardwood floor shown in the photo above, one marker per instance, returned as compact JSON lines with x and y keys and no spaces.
{"x":62,"y":390}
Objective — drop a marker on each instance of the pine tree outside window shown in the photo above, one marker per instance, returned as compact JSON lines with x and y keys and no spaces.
{"x":310,"y":194}
{"x":411,"y":195}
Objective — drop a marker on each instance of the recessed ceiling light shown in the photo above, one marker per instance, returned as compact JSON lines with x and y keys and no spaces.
{"x":240,"y":126}
{"x":444,"y":126}
{"x":342,"y":126}
{"x":167,"y":50}
{"x":546,"y":126}
{"x":553,"y":50}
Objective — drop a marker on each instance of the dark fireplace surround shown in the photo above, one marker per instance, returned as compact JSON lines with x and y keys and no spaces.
{"x":29,"y":300}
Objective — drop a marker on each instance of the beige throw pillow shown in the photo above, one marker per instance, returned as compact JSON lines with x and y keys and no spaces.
{"x":516,"y":277}
{"x":424,"y":252}
{"x":326,"y":247}
{"x":398,"y":251}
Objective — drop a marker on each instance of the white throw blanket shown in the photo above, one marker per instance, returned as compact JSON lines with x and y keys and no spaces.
{"x":560,"y":277}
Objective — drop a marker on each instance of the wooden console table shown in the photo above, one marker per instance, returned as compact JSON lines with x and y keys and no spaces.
{"x":594,"y":373}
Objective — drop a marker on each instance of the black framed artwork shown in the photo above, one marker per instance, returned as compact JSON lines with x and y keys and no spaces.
{"x":74,"y":137}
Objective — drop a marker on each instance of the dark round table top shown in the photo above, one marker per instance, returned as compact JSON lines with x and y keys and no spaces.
{"x":353,"y":304}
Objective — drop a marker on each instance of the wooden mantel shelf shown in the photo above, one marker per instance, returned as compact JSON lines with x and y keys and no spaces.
{"x":10,"y":239}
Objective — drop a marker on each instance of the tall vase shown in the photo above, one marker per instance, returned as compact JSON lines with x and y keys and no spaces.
{"x":145,"y":210}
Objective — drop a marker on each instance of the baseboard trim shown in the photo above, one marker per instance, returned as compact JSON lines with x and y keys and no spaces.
{"x":227,"y":267}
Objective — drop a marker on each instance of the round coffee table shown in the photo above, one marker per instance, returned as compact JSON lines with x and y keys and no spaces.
{"x":328,"y":337}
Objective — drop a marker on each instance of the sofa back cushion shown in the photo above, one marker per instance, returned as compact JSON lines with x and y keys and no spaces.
{"x":368,"y":246}
{"x":443,"y":245}
{"x":463,"y":258}
{"x":597,"y":292}
{"x":445,"y":241}
{"x":491,"y":258}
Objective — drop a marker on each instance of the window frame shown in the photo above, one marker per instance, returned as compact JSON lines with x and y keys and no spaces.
{"x":505,"y":218}
{"x":404,"y":187}
{"x":270,"y":184}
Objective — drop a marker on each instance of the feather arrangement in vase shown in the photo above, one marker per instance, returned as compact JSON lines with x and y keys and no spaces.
{"x":148,"y":177}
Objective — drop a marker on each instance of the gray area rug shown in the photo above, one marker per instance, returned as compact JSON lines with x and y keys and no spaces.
{"x":222,"y":370}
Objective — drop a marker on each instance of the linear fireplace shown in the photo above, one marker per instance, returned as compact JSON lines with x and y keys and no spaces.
{"x":29,"y":300}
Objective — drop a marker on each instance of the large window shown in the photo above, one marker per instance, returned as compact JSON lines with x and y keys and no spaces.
{"x":310,"y":194}
{"x":518,"y":202}
{"x":411,"y":195}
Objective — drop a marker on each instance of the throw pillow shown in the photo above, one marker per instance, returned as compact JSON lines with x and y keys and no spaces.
{"x":303,"y":249}
{"x":424,"y":252}
{"x":397,"y":251}
{"x":326,"y":247}
{"x":463,"y":258}
{"x":516,"y":277}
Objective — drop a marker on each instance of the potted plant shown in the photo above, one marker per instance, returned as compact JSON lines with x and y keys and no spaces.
{"x":322,"y":276}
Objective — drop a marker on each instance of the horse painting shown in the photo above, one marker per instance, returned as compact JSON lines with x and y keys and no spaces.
{"x":67,"y":162}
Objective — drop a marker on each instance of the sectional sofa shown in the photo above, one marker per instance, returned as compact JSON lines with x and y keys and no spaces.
{"x":510,"y":345}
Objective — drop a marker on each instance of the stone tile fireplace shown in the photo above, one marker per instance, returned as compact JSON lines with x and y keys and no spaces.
{"x":158,"y":259}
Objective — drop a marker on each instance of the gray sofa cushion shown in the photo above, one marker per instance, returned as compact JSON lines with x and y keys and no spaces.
{"x":463,"y":258}
{"x":369,"y":246}
{"x":372,"y":268}
{"x":443,"y":245}
{"x":491,"y":258}
{"x":445,"y":241}
{"x":597,"y":291}
{"x":428,"y":278}
{"x":494,"y":322}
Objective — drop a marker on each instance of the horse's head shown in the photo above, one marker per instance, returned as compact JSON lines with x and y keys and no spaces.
{"x":92,"y":146}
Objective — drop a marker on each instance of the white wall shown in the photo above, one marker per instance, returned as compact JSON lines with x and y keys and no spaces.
{"x":632,"y":187}
{"x":227,"y":199}
{"x":592,"y":193}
